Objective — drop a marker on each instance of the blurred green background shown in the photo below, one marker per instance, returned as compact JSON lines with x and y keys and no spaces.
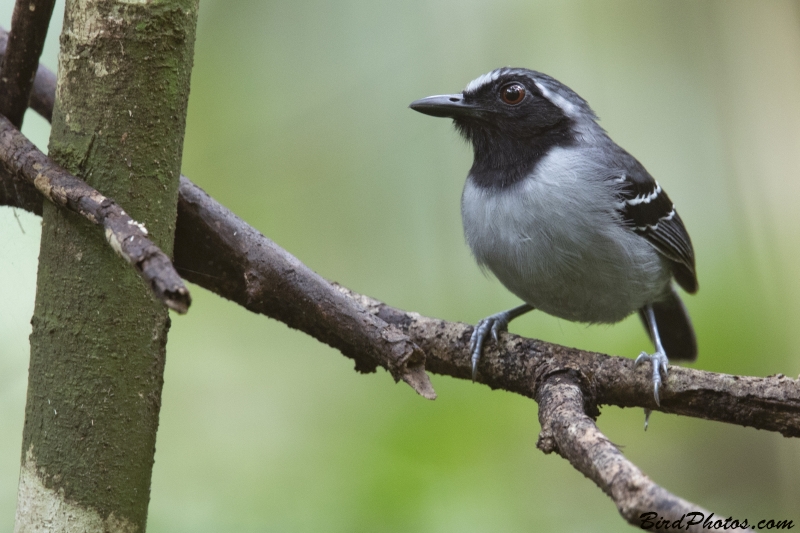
{"x":298,"y":122}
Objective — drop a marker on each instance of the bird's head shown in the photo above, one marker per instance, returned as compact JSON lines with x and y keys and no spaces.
{"x":511,"y":115}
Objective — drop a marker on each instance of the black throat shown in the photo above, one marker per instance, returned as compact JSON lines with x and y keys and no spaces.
{"x":502,"y":160}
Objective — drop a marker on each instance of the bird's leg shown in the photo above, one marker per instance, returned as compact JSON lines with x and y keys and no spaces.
{"x":494,"y":324}
{"x":658,"y":359}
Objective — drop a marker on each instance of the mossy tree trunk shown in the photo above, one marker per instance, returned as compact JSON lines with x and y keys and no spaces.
{"x":99,"y":337}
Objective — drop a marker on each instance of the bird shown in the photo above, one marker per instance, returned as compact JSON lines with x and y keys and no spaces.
{"x":565,"y":218}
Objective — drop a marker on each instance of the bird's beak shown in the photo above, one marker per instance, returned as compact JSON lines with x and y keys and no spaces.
{"x":444,"y":105}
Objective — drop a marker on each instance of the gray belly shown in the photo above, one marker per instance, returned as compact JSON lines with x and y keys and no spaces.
{"x":548,"y":246}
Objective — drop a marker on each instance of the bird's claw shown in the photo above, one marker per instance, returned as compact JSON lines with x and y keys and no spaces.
{"x":496,"y":331}
{"x":491,"y":324}
{"x":659,"y":361}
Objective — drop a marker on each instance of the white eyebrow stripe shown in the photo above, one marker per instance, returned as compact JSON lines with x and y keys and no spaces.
{"x":482,"y":80}
{"x":566,"y":106}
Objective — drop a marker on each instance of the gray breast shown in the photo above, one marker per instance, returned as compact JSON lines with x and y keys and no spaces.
{"x":555,"y":240}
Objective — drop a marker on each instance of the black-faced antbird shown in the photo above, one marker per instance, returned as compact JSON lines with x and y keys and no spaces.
{"x":566,"y":219}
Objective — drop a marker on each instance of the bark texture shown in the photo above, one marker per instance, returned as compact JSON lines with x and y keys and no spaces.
{"x":99,"y":337}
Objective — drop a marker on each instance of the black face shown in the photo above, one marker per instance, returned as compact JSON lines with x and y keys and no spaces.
{"x":511,"y":107}
{"x":509,"y":122}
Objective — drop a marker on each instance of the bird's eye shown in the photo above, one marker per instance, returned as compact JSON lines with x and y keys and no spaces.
{"x":513,"y":93}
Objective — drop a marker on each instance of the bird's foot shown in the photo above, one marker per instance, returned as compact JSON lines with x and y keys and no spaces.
{"x":491,"y":324}
{"x":659,"y":361}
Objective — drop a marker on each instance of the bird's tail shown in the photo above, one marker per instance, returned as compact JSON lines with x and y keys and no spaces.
{"x":674,"y":328}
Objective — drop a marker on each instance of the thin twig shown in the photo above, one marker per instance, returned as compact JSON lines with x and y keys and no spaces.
{"x":128,"y":238}
{"x":19,"y":222}
{"x":25,"y":42}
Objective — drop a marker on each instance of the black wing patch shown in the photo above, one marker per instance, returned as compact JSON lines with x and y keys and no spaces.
{"x":648,"y":211}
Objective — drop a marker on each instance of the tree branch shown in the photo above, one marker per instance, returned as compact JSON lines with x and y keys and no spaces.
{"x":574,"y":436}
{"x":25,"y":42}
{"x":217,"y":250}
{"x":520,"y":365}
{"x":20,"y":158}
{"x":43,"y":92}
{"x":15,"y":192}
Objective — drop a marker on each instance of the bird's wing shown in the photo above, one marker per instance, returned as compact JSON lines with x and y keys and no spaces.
{"x":648,"y":211}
